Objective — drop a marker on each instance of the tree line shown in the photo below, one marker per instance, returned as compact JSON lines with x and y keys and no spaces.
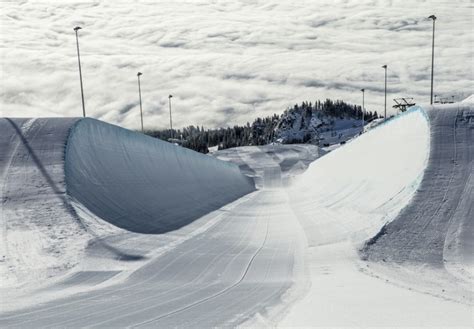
{"x":260,"y":132}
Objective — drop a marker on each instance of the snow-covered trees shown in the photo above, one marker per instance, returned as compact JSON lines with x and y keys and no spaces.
{"x":301,"y":123}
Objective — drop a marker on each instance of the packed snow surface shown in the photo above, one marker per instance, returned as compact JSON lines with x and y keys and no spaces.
{"x":143,"y":184}
{"x":271,"y":165}
{"x":414,"y":172}
{"x":214,"y":271}
{"x":376,"y":233}
{"x":136,"y":183}
{"x":41,"y":235}
{"x":435,"y":232}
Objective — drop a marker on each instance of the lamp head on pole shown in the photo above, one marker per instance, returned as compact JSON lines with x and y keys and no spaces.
{"x":170,"y":96}
{"x":139,"y":73}
{"x":77,"y":28}
{"x":363,"y":90}
{"x":384,"y":66}
{"x":433,"y":17}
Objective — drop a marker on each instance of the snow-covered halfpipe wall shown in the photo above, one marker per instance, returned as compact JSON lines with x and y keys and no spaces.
{"x":437,"y":227}
{"x":352,"y":191}
{"x":143,"y":184}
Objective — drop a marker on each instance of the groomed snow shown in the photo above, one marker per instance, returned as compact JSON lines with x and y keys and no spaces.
{"x":344,"y":199}
{"x":143,"y":184}
{"x":41,"y":236}
{"x":244,"y":260}
{"x":351,"y":192}
{"x":54,"y":242}
{"x":433,"y":236}
{"x":271,"y":165}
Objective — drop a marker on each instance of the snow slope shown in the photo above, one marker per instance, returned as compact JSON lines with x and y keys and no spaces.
{"x":219,"y":270}
{"x":41,"y":234}
{"x":469,"y":100}
{"x":143,"y":184}
{"x":244,"y":261}
{"x":132,"y":181}
{"x":346,"y":197}
{"x":436,"y":231}
{"x":271,"y":165}
{"x":355,"y":189}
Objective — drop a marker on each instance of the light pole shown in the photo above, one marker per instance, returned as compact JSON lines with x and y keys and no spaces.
{"x":77,"y":28}
{"x":140,"y":98}
{"x":433,"y":17}
{"x":363,"y":107}
{"x":385,"y":106}
{"x":171,"y":120}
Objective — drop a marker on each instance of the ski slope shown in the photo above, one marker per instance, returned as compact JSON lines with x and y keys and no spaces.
{"x":376,"y":233}
{"x":406,"y":188}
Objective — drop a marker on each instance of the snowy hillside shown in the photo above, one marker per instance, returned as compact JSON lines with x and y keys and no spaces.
{"x":324,"y":124}
{"x":104,"y":227}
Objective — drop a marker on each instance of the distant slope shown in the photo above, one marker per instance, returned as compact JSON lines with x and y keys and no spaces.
{"x":143,"y":184}
{"x":323,"y":124}
{"x":262,"y":162}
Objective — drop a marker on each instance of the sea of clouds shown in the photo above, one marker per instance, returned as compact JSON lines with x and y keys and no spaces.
{"x":226,"y":62}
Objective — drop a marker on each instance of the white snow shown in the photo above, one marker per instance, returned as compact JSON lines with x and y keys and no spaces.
{"x":469,"y":99}
{"x":355,"y":189}
{"x":143,"y":184}
{"x":213,"y":149}
{"x":271,"y":165}
{"x":342,"y":200}
{"x":215,"y":263}
{"x":41,"y":238}
{"x":115,"y":178}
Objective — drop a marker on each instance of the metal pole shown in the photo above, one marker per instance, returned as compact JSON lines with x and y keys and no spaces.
{"x":433,"y":17}
{"x":385,"y":106}
{"x":140,"y":98}
{"x":80,"y":71}
{"x":363,"y":107}
{"x":171,"y":120}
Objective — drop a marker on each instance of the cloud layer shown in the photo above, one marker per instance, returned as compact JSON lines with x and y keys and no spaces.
{"x":226,"y":62}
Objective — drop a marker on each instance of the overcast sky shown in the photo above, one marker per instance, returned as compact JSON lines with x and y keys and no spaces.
{"x":226,"y":62}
